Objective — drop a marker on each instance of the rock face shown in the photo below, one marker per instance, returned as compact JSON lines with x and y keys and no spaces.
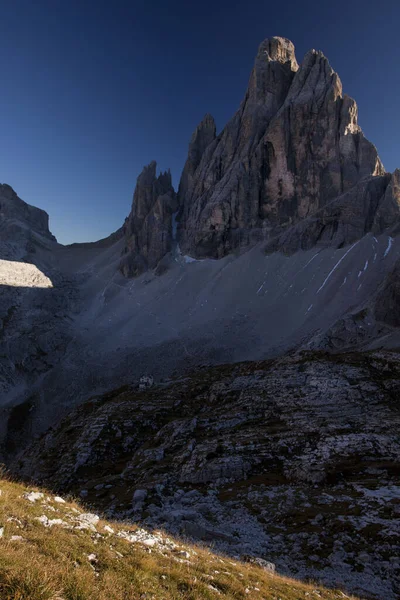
{"x":36,"y":302}
{"x":22,"y":226}
{"x":373,"y":204}
{"x":293,"y":146}
{"x":291,"y":168}
{"x":148,"y":228}
{"x":202,"y":137}
{"x":293,"y":460}
{"x":387,"y":304}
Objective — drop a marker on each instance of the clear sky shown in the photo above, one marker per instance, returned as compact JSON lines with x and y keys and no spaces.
{"x":92,"y":91}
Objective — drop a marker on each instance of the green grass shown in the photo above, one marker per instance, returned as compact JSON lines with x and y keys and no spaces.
{"x":52,"y":563}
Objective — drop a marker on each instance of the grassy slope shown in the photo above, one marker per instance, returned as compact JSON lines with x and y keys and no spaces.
{"x":51,"y":563}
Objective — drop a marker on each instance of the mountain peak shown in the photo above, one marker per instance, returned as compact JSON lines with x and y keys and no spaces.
{"x":293,"y":146}
{"x":278,"y":49}
{"x":21,"y":224}
{"x":148,"y":228}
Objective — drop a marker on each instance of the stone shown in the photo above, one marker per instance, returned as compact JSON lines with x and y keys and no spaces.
{"x":139,"y":495}
{"x":146,"y":381}
{"x":148,"y":230}
{"x":264,"y":564}
{"x":50,"y":522}
{"x":342,"y":221}
{"x":87,"y":521}
{"x":387,"y":303}
{"x":108,"y":529}
{"x":33,"y":496}
{"x":59,"y":500}
{"x":92,"y":558}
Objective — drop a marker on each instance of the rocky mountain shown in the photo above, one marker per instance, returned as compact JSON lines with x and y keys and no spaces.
{"x":36,"y":302}
{"x":372,"y":205}
{"x":291,"y":175}
{"x":22,"y":227}
{"x":149,"y":226}
{"x":292,"y":169}
{"x":280,"y":243}
{"x":293,"y":460}
{"x":293,"y":146}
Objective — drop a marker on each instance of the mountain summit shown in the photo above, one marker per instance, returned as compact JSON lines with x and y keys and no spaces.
{"x":293,"y":147}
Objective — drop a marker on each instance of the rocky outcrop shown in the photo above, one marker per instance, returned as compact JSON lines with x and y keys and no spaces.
{"x":372,"y":205}
{"x":22,"y":227}
{"x":148,"y":228}
{"x":293,"y":146}
{"x":291,"y":168}
{"x":36,"y":302}
{"x":294,"y":460}
{"x":387,"y":214}
{"x":387,"y":304}
{"x":202,"y":137}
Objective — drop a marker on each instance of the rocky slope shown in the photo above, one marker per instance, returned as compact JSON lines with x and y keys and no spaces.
{"x":36,"y":305}
{"x":52,"y":548}
{"x":294,"y":460}
{"x":292,"y":169}
{"x":282,"y":236}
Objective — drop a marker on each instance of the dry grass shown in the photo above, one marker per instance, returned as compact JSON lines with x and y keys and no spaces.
{"x":52,"y":563}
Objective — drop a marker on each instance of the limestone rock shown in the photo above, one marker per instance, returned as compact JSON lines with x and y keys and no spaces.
{"x":202,"y":137}
{"x":293,"y":146}
{"x":148,"y":228}
{"x":388,"y":211}
{"x":22,"y":227}
{"x":370,"y":205}
{"x":33,"y":496}
{"x":312,"y":440}
{"x":387,"y":304}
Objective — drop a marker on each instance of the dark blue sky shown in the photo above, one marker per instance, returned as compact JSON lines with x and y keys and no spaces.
{"x":92,"y":91}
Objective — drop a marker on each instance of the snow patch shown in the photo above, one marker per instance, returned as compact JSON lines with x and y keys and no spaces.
{"x":190,"y":259}
{"x":336,"y":266}
{"x":390,"y":242}
{"x":311,"y":259}
{"x":261,"y":287}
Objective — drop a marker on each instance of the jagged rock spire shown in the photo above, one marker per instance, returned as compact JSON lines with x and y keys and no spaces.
{"x":293,"y":146}
{"x":148,"y":228}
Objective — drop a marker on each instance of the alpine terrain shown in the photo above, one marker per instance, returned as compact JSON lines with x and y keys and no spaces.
{"x":225,"y":366}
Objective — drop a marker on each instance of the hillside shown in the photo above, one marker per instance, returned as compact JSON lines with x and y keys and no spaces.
{"x":52,"y":549}
{"x":294,"y":460}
